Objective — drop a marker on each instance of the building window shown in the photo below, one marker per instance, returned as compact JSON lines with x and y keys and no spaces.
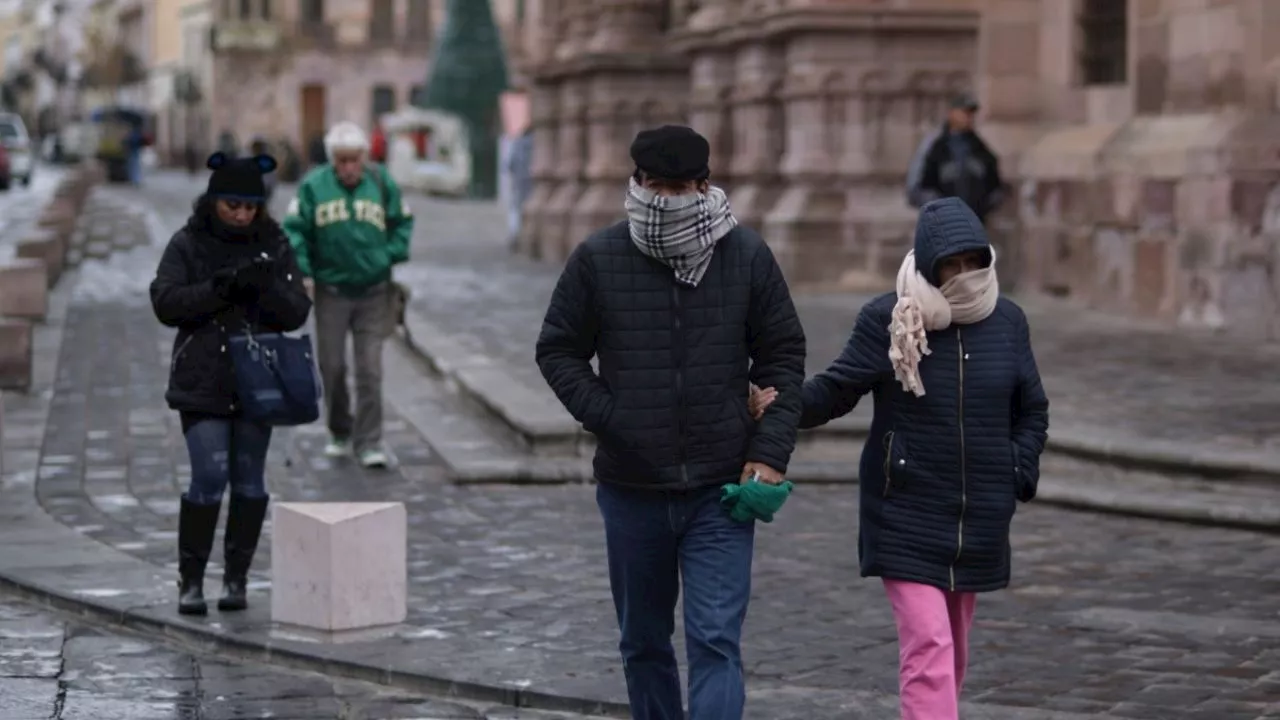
{"x":384,"y":101}
{"x":1104,"y":42}
{"x":419,"y":20}
{"x":311,"y":11}
{"x":246,"y":9}
{"x":417,"y":95}
{"x":265,"y":9}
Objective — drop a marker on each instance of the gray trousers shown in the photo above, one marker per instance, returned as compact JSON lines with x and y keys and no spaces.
{"x":367,"y":320}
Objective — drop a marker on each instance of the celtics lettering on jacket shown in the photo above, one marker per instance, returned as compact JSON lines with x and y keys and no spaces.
{"x":335,"y":211}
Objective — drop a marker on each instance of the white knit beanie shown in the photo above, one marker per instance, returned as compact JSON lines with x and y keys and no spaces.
{"x":345,"y":136}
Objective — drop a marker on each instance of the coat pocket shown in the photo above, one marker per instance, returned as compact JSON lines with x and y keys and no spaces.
{"x":896,"y":463}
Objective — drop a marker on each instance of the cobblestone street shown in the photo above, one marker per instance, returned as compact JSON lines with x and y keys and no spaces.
{"x":1109,"y":617}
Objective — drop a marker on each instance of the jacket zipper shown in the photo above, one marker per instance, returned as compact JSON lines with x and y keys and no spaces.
{"x":679,"y":349}
{"x":888,"y":463}
{"x":964,"y":495}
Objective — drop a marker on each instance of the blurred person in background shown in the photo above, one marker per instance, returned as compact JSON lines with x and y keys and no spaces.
{"x":349,"y":226}
{"x":519,"y":167}
{"x":955,"y":162}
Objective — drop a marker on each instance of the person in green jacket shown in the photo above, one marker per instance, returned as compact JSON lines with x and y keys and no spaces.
{"x":349,"y":226}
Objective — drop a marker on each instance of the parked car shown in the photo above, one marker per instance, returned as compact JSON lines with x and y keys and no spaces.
{"x":14,"y":138}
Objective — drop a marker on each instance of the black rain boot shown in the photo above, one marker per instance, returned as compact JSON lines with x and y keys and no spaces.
{"x":196,"y":526}
{"x":244,"y":526}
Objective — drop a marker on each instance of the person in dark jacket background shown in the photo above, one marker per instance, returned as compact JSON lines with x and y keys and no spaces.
{"x":683,"y":308}
{"x":959,"y":424}
{"x":229,"y":268}
{"x":955,"y":162}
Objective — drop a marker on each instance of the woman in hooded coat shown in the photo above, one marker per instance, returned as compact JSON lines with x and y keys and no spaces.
{"x":228,"y":269}
{"x":959,"y":423}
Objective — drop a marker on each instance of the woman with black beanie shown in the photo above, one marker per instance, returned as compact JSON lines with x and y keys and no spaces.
{"x":230,"y":268}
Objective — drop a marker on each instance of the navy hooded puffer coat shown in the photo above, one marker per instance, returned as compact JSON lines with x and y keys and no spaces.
{"x":940,"y":474}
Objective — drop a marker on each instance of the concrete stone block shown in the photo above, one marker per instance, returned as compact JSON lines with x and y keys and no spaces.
{"x":339,"y":566}
{"x":47,"y":247}
{"x":24,"y":289}
{"x":15,"y":354}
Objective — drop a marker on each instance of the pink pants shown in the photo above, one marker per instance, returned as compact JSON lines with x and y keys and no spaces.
{"x":933,"y":647}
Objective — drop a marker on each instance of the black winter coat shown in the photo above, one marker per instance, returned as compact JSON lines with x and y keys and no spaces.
{"x":940,"y":473}
{"x":669,"y":405}
{"x":201,"y":379}
{"x":984,"y":189}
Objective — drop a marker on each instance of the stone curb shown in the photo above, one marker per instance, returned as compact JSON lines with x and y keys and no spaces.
{"x":488,"y":383}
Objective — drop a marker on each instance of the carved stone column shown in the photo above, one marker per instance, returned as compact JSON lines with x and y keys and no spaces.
{"x":805,"y":224}
{"x":711,"y":75}
{"x":576,"y":23}
{"x":631,"y":85}
{"x":554,"y":237}
{"x":625,"y":25}
{"x":544,"y":101}
{"x":758,"y":123}
{"x":622,"y":104}
{"x":713,"y":15}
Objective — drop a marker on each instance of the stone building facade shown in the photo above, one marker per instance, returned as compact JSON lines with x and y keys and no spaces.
{"x":289,"y":69}
{"x":1141,"y":138}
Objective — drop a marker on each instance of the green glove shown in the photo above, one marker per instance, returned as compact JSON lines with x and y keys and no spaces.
{"x":754,"y":500}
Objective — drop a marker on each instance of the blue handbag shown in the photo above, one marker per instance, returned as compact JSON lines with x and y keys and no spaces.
{"x":276,"y":378}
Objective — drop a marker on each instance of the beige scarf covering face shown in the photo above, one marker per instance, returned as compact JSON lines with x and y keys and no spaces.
{"x":964,"y":299}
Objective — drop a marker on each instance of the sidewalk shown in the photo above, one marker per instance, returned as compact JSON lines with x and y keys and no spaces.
{"x":1109,"y":617}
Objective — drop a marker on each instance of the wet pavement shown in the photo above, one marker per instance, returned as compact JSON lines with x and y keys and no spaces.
{"x":54,"y":667}
{"x":1108,"y":618}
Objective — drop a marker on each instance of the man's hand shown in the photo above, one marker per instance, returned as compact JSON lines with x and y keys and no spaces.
{"x":310,"y":286}
{"x":760,"y":400}
{"x":768,"y":475}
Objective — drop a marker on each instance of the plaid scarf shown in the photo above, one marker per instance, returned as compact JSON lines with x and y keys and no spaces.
{"x":681,"y":230}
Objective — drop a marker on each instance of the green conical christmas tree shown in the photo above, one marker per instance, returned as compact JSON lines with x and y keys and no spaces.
{"x":468,"y":73}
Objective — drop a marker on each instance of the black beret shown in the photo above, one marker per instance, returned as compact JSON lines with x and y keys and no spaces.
{"x":672,"y":152}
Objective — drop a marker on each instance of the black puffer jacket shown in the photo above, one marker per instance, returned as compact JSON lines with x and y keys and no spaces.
{"x":669,"y":406}
{"x":940,"y":473}
{"x":201,"y":379}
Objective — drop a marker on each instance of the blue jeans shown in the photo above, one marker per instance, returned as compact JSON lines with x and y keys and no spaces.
{"x":655,"y":540}
{"x":227,"y":452}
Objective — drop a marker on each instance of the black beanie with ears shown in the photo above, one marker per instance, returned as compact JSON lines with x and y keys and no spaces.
{"x":239,"y":179}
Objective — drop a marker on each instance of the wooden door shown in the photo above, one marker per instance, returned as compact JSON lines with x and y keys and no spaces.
{"x":313,"y":124}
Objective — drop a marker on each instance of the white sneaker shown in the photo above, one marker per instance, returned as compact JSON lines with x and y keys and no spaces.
{"x":373,"y":459}
{"x":336,"y":448}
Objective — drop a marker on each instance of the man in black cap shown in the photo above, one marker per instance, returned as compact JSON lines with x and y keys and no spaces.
{"x":955,"y":162}
{"x":683,"y":308}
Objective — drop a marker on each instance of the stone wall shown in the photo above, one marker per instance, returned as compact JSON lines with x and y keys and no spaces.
{"x":269,"y":104}
{"x":1169,"y":213}
{"x":1155,"y":197}
{"x":812,"y":112}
